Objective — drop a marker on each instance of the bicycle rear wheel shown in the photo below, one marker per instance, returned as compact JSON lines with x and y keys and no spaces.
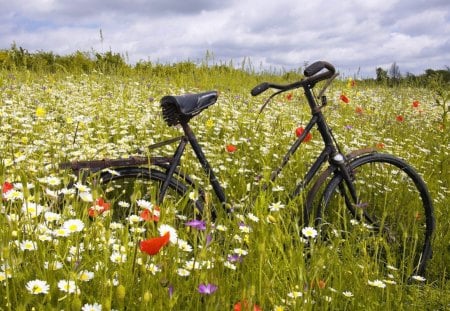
{"x":129,"y":190}
{"x":393,"y":212}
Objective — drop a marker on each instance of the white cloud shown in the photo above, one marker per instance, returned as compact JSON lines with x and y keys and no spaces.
{"x":285,"y":33}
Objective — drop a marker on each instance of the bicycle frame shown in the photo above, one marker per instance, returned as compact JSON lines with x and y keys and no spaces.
{"x":327,"y":155}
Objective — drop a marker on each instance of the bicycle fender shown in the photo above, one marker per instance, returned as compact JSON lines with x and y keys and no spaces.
{"x":313,"y":192}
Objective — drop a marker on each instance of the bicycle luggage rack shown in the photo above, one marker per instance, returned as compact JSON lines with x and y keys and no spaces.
{"x":98,"y":165}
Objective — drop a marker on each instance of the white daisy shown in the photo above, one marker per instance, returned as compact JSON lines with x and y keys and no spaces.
{"x":184,"y":245}
{"x":92,"y":307}
{"x":51,"y":216}
{"x":68,"y":286}
{"x":85,"y":275}
{"x":37,"y":287}
{"x":73,"y":225}
{"x":28,"y":245}
{"x":173,"y":236}
{"x":86,"y":196}
{"x":145,"y":204}
{"x":309,"y":232}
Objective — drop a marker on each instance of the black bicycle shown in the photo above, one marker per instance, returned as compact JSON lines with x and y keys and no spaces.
{"x":380,"y":193}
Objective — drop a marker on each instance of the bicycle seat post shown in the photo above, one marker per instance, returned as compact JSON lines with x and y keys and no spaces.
{"x":204,"y":162}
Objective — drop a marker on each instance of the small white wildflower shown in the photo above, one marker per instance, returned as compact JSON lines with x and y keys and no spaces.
{"x":184,"y":245}
{"x":51,"y":216}
{"x":377,"y":283}
{"x":391,"y":268}
{"x":193,"y":196}
{"x":275,"y":207}
{"x":123,"y":204}
{"x":68,"y":286}
{"x":173,"y":236}
{"x":153,"y":268}
{"x":133,"y":219}
{"x":278,"y":188}
{"x":32,"y":209}
{"x":295,"y":294}
{"x":73,"y":225}
{"x":13,"y":195}
{"x":85,"y":275}
{"x":92,"y":307}
{"x":86,"y":196}
{"x":252,"y":217}
{"x":240,"y":251}
{"x":354,"y":222}
{"x":117,"y":257}
{"x":392,"y":282}
{"x":221,"y":228}
{"x":229,"y":265}
{"x":309,"y":232}
{"x":347,"y":294}
{"x":55,"y":265}
{"x":61,"y":232}
{"x":37,"y":287}
{"x":145,"y":204}
{"x":53,"y":181}
{"x":418,"y":278}
{"x":82,"y":188}
{"x":28,"y":245}
{"x":183,"y":272}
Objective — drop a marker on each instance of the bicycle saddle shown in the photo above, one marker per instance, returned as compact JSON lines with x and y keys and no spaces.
{"x":182,"y":108}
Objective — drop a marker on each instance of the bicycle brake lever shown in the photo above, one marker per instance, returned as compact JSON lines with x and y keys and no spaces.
{"x":327,"y":84}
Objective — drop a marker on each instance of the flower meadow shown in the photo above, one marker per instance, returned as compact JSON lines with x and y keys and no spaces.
{"x":77,"y":256}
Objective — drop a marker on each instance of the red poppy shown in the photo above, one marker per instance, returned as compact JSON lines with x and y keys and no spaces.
{"x":243,"y":306}
{"x":359,"y":110}
{"x":148,"y":215}
{"x":299,"y":131}
{"x":416,"y":104}
{"x":380,"y":145}
{"x":344,"y":98}
{"x":231,"y":148}
{"x":7,"y":186}
{"x":99,"y":208}
{"x":400,"y":118}
{"x":289,"y":96}
{"x":153,"y":245}
{"x":353,"y":83}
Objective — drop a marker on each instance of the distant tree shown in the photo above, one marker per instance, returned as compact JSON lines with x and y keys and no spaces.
{"x":381,"y":74}
{"x":394,"y":72}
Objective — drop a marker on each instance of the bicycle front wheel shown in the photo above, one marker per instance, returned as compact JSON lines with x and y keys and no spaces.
{"x":136,"y":191}
{"x":392,"y":212}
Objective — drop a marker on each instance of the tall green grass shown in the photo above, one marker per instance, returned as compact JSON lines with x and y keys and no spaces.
{"x":50,"y":118}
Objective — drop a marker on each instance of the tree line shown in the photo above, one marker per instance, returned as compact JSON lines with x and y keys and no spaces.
{"x":115,"y":63}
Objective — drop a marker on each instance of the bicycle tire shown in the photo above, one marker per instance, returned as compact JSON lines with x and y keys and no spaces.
{"x":122,"y":188}
{"x":385,"y":185}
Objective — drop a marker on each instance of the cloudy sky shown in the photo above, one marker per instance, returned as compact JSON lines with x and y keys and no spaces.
{"x":356,"y":35}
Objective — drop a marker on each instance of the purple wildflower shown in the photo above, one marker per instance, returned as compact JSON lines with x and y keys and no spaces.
{"x":170,"y":291}
{"x":197,"y":224}
{"x":207,"y":289}
{"x":234,"y":258}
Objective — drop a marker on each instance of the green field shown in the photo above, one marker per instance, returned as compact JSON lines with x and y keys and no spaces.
{"x":48,"y":118}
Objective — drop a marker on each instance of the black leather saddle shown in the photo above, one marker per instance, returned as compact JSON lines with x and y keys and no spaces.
{"x":182,"y":108}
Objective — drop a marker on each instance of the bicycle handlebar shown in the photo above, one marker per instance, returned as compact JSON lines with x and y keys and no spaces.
{"x":311,"y":78}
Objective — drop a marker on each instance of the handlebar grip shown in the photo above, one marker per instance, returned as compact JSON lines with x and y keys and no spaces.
{"x":260,"y":88}
{"x":318,"y":66}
